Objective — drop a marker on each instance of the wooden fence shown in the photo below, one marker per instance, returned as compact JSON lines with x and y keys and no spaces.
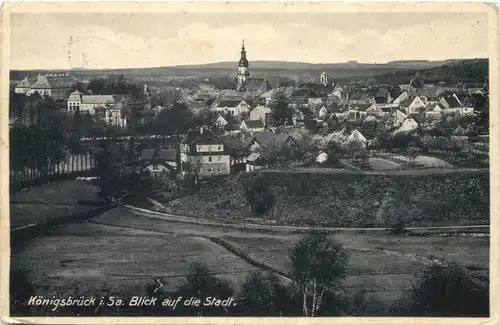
{"x":75,"y":165}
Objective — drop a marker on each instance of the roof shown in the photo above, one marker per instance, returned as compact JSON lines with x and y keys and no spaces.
{"x":253,"y":124}
{"x":363,"y":107}
{"x":382,"y":92}
{"x":27,"y":81}
{"x":167,"y":154}
{"x":270,"y":139}
{"x":255,"y":157}
{"x":205,"y":137}
{"x":398,"y":114}
{"x":255,"y":85}
{"x":147,"y":154}
{"x":100,"y":99}
{"x":370,"y":119}
{"x":263,"y":109}
{"x":55,"y":81}
{"x":452,"y":101}
{"x":319,"y":88}
{"x":233,"y":142}
{"x":228,"y":103}
{"x":304,"y":93}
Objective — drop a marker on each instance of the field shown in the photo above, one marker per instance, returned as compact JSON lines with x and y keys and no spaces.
{"x":119,"y":253}
{"x":351,"y":199}
{"x":45,"y":202}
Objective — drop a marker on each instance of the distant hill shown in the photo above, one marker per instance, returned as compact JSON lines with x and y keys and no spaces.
{"x":452,"y":72}
{"x":347,"y":70}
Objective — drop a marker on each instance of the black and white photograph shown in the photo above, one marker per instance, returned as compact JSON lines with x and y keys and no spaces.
{"x":248,"y":160}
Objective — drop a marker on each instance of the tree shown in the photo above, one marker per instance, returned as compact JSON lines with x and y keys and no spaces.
{"x":176,"y":118}
{"x":318,"y":262}
{"x":202,"y":284}
{"x":450,"y":290}
{"x":259,"y":196}
{"x":412,"y":154}
{"x":281,"y":111}
{"x":264,"y":295}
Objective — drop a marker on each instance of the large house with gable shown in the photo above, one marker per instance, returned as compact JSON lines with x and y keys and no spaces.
{"x":204,"y":154}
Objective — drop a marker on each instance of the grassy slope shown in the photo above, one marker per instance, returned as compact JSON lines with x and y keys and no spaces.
{"x":353,"y":200}
{"x":98,"y":259}
{"x":41,"y":203}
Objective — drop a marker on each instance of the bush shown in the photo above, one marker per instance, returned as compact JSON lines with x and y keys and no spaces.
{"x":450,"y":290}
{"x":259,"y":196}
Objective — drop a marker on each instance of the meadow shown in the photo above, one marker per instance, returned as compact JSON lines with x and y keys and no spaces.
{"x":119,"y":253}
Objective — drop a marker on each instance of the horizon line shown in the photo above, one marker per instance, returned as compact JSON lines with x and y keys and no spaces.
{"x":235,"y":61}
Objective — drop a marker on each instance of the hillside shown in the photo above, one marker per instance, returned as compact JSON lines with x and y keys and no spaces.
{"x":466,"y":71}
{"x":351,"y":200}
{"x":342,"y":70}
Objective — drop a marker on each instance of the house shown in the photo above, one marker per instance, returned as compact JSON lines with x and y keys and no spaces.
{"x":435,"y":111}
{"x":25,"y":85}
{"x":255,"y":86}
{"x":237,"y":149}
{"x":220,"y":122}
{"x":416,"y":105}
{"x":255,"y":161}
{"x":55,"y":86}
{"x":382,"y":96}
{"x":260,"y":113}
{"x":88,"y":103}
{"x":160,"y":163}
{"x":204,"y":154}
{"x":398,"y":118}
{"x":408,"y":125}
{"x":399,"y":96}
{"x":356,"y":136}
{"x":252,"y":125}
{"x":268,"y":141}
{"x":116,"y":116}
{"x":232,"y":107}
{"x":370,"y":119}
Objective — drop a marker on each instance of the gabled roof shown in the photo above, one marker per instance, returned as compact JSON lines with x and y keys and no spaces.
{"x":363,"y":107}
{"x":100,"y":99}
{"x":205,"y":137}
{"x":27,"y":82}
{"x":399,"y":114}
{"x":452,"y":101}
{"x":256,"y":157}
{"x":370,"y":119}
{"x":228,"y":103}
{"x":253,"y":124}
{"x":55,"y":81}
{"x":270,"y":139}
{"x":233,"y":142}
{"x":255,"y":85}
{"x":263,"y":109}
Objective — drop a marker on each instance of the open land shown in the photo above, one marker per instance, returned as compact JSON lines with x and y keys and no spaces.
{"x":120,"y":253}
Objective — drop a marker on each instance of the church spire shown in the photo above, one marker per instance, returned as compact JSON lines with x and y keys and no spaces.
{"x":243,"y":70}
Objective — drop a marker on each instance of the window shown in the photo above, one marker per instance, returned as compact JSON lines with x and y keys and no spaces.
{"x":210,"y":170}
{"x":220,"y":170}
{"x":219,"y":148}
{"x":209,"y":159}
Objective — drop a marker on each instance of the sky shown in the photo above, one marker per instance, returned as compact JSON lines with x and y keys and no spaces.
{"x":116,"y":40}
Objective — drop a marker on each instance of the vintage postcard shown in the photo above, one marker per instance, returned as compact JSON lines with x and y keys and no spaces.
{"x":249,"y":163}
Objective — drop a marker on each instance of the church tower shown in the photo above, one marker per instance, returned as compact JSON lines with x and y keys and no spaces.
{"x":324,"y":78}
{"x":243,"y":72}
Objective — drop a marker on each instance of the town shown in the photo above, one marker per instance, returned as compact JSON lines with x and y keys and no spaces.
{"x":208,"y":131}
{"x":223,"y":187}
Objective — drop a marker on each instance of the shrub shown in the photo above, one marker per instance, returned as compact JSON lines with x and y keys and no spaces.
{"x":259,"y":196}
{"x":450,"y":290}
